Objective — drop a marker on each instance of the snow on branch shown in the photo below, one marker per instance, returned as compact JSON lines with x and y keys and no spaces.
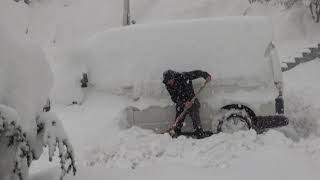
{"x":12,"y":132}
{"x":54,"y":136}
{"x":50,"y":134}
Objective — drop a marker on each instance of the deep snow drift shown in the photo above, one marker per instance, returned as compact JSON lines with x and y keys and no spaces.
{"x":302,"y":100}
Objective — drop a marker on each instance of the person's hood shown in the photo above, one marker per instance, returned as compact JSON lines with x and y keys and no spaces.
{"x":167,"y":75}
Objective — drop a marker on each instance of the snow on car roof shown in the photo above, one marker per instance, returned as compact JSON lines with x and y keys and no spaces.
{"x":231,"y":48}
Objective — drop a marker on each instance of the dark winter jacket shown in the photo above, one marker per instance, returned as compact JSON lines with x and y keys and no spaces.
{"x":182,"y":90}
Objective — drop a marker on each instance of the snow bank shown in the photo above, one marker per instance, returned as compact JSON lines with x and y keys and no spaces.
{"x":303,"y":81}
{"x":244,"y":155}
{"x":135,"y":57}
{"x":138,"y":148}
{"x":302,"y":102}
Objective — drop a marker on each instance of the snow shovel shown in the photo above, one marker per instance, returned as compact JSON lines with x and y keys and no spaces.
{"x":179,"y":118}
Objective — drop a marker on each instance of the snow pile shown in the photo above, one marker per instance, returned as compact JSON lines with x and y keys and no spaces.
{"x":302,"y":102}
{"x":138,"y":148}
{"x":311,"y":146}
{"x":305,"y":83}
{"x":141,"y":154}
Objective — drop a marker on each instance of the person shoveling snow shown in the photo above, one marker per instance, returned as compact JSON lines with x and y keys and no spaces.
{"x":180,"y":88}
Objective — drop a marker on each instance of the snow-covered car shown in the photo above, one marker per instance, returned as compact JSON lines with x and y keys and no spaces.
{"x":246,"y":90}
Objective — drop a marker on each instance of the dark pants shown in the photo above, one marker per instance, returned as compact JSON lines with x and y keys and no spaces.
{"x":193,"y":113}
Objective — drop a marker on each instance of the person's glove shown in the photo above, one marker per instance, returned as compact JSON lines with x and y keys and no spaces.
{"x":188,"y":104}
{"x":208,"y":79}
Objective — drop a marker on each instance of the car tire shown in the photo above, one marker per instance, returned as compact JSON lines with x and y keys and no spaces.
{"x":233,"y":120}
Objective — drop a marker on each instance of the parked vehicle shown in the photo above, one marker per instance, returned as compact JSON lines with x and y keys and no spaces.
{"x":246,"y":90}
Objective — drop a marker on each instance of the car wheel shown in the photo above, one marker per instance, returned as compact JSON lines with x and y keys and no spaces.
{"x":234,"y":120}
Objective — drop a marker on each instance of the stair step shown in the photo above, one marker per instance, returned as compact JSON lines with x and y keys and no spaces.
{"x":303,"y":60}
{"x":306,"y":57}
{"x":291,"y":65}
{"x":313,"y":49}
{"x":304,"y":54}
{"x":309,"y":56}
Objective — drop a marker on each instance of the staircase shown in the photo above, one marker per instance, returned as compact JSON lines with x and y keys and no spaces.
{"x":306,"y":57}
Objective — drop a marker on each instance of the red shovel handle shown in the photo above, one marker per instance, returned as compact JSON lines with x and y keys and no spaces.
{"x":178,"y":119}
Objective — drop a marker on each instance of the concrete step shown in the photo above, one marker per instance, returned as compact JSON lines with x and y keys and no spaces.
{"x":284,"y":64}
{"x":306,"y":57}
{"x":309,"y":56}
{"x":302,"y":60}
{"x":314,"y":50}
{"x":291,"y":65}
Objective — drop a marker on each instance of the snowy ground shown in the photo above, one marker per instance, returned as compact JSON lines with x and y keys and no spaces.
{"x":104,"y":150}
